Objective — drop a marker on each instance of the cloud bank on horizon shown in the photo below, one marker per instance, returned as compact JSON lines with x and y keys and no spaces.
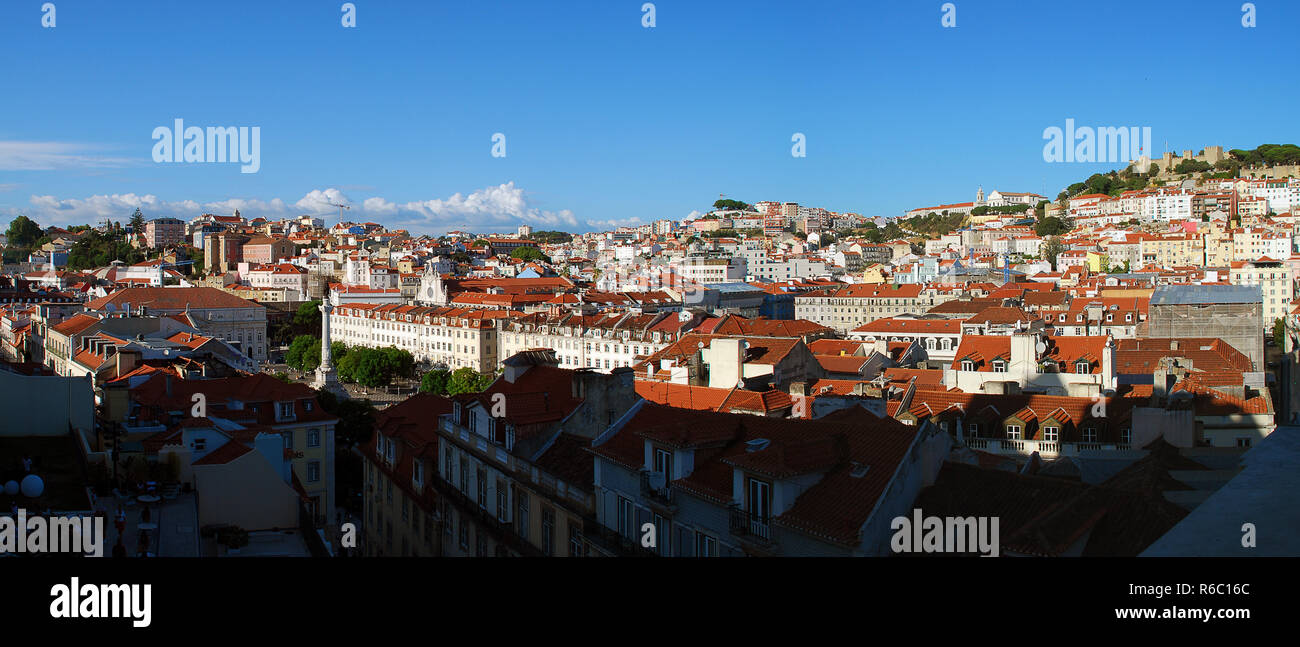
{"x":504,"y":205}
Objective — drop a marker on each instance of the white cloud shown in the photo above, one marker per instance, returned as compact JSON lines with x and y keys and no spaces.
{"x":613,"y":223}
{"x":482,"y":210}
{"x":52,"y":156}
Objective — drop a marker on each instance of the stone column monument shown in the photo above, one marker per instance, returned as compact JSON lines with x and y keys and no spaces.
{"x":327,"y":379}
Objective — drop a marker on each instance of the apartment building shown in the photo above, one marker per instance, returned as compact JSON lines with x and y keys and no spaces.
{"x":161,"y":232}
{"x":513,"y":471}
{"x":213,"y":312}
{"x":1033,"y":362}
{"x":154,"y":410}
{"x":849,"y":307}
{"x":402,"y":510}
{"x":282,"y":276}
{"x":1276,"y":284}
{"x":600,"y":341}
{"x":938,"y":336}
{"x":451,"y":336}
{"x":707,"y":484}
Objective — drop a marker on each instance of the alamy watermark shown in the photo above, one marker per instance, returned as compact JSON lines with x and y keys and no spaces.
{"x":1101,"y":144}
{"x":220,"y":144}
{"x":920,"y":534}
{"x":38,"y":534}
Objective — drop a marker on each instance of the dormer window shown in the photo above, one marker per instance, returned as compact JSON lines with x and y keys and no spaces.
{"x":967,"y":365}
{"x":1082,"y":366}
{"x":284,"y":410}
{"x":999,"y":366}
{"x":663,"y":463}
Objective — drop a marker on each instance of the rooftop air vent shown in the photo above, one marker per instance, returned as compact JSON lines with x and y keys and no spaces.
{"x":859,"y":470}
{"x":757,"y":445}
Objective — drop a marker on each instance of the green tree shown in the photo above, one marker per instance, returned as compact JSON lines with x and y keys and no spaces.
{"x":307,"y":316}
{"x":435,"y":381}
{"x":529,"y":254}
{"x":726,"y":205}
{"x":1051,"y":226}
{"x":137,"y":222}
{"x":1279,"y":333}
{"x":396,"y":362}
{"x":370,"y":369}
{"x":467,"y":380}
{"x":1051,"y":249}
{"x":303,"y":353}
{"x":22,"y":232}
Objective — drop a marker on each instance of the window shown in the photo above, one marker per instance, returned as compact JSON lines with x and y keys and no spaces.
{"x":480,"y":543}
{"x":625,"y":517}
{"x":417,"y":471}
{"x":760,"y":500}
{"x":663,"y":463}
{"x":286,"y":409}
{"x":967,"y":365}
{"x":999,"y":366}
{"x":548,"y":532}
{"x":464,"y":533}
{"x":503,"y":500}
{"x":313,"y":438}
{"x":1090,"y":435}
{"x":705,"y":546}
{"x":464,"y":476}
{"x":200,"y":444}
{"x":480,"y":481}
{"x":1051,"y":434}
{"x":1243,"y":441}
{"x":521,"y":514}
{"x":1013,"y":432}
{"x":974,"y":430}
{"x":288,"y":441}
{"x":313,"y":472}
{"x":1082,"y":367}
{"x":1126,"y":435}
{"x":576,"y":546}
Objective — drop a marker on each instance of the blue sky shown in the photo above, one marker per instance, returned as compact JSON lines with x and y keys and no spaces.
{"x":607,"y":121}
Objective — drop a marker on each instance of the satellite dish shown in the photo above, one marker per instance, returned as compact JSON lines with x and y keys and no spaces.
{"x":32,"y":486}
{"x":1040,"y":347}
{"x":740,"y":384}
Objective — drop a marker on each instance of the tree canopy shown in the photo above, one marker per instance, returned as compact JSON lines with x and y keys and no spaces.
{"x":23,"y":232}
{"x":728,"y":205}
{"x":529,"y":254}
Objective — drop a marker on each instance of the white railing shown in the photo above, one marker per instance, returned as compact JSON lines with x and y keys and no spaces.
{"x":1046,"y":448}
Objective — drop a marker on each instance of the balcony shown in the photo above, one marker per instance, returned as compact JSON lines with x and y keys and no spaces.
{"x":750,"y":527}
{"x":1045,"y":448}
{"x":503,"y":531}
{"x":657,"y":492}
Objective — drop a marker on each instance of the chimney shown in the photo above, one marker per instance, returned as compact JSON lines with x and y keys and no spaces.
{"x":1023,"y":351}
{"x":167,"y":377}
{"x":126,"y":362}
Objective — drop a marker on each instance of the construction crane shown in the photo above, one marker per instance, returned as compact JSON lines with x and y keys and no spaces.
{"x":341,"y":208}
